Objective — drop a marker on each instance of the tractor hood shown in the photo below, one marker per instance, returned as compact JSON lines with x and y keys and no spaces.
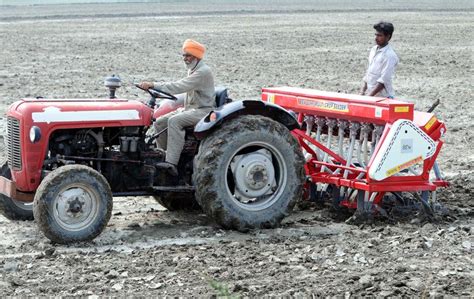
{"x":89,"y":112}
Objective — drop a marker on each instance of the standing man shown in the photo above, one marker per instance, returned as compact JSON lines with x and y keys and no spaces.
{"x":199,"y":101}
{"x":382,"y":64}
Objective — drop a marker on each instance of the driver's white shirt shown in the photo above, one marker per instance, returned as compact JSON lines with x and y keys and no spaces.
{"x":381,"y":69}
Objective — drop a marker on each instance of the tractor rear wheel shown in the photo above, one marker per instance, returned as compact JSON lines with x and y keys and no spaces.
{"x":73,"y":204}
{"x":249,"y":173}
{"x":10,"y":208}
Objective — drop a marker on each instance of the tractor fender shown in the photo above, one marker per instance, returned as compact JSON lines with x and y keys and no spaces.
{"x":217,"y":117}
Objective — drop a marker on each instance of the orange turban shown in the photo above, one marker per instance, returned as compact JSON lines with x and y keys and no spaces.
{"x":194,"y":48}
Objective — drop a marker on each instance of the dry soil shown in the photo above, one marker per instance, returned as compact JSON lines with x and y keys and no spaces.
{"x":65,"y":51}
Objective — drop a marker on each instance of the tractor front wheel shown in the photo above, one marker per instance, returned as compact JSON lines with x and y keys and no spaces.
{"x":73,"y":204}
{"x":249,"y":173}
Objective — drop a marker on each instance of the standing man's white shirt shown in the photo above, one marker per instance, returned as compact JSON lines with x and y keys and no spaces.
{"x":382,"y":65}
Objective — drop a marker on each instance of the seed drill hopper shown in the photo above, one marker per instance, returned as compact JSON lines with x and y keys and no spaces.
{"x":360,"y":149}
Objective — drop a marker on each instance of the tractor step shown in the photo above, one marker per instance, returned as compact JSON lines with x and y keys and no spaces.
{"x":156,"y":190}
{"x":182,"y":189}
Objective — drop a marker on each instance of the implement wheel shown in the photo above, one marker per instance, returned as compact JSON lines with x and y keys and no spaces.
{"x":249,"y":173}
{"x":73,"y":204}
{"x":10,"y":208}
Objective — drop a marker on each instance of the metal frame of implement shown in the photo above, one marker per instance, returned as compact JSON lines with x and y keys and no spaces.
{"x":344,"y":133}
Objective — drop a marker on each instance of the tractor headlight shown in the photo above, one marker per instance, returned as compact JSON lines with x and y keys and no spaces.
{"x":212,"y":116}
{"x":35,"y":134}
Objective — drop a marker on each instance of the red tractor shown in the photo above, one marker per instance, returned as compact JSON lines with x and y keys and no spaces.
{"x":67,"y":159}
{"x":245,"y":164}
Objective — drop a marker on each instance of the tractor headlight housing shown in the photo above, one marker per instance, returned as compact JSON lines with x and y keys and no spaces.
{"x":35,"y":134}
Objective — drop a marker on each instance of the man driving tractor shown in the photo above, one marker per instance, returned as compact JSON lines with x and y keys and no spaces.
{"x":199,"y":101}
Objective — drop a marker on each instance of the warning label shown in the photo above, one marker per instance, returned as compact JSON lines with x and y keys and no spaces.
{"x":402,"y":109}
{"x":400,"y":167}
{"x":271,"y":98}
{"x":430,"y":123}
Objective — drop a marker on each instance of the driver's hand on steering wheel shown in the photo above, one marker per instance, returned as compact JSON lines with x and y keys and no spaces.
{"x":146,"y":85}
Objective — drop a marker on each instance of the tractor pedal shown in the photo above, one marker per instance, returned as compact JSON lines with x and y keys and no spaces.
{"x":170,"y":168}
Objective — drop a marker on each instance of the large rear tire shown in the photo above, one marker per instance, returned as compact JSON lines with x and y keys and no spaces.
{"x":249,"y":173}
{"x":10,"y":208}
{"x":73,"y":204}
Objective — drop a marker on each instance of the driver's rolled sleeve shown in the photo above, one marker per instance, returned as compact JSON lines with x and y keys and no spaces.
{"x":180,"y":86}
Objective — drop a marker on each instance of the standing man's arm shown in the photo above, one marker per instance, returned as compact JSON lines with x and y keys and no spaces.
{"x":363,"y":88}
{"x":378,"y":88}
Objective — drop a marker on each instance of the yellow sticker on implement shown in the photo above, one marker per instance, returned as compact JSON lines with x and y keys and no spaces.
{"x":402,"y":109}
{"x":430,"y":123}
{"x":400,"y":167}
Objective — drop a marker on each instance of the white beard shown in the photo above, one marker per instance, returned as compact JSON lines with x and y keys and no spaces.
{"x":192,"y":65}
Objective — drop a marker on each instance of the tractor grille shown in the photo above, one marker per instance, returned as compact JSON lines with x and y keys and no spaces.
{"x":13,"y":143}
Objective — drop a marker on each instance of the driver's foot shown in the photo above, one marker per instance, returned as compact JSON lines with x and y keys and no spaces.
{"x":160,"y":150}
{"x":171,"y":168}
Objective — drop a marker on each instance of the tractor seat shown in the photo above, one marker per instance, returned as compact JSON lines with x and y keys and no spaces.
{"x":221,"y":99}
{"x":221,"y":96}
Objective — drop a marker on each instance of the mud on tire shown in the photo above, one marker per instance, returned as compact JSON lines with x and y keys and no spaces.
{"x":73,"y":204}
{"x":10,"y":208}
{"x":249,"y":173}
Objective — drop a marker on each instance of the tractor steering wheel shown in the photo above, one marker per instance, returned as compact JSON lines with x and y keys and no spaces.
{"x":156,"y":93}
